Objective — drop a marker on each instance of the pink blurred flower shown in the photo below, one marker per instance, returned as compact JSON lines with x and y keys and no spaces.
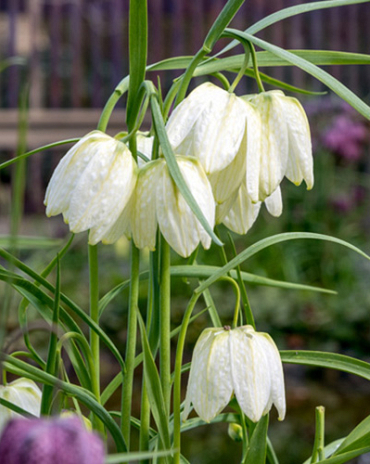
{"x":345,"y":137}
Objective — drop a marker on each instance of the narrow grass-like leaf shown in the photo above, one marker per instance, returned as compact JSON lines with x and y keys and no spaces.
{"x":44,"y":304}
{"x":17,"y":366}
{"x":154,"y":388}
{"x":138,"y":38}
{"x":127,"y":457}
{"x":264,"y":58}
{"x":51,"y":363}
{"x":203,"y":271}
{"x":328,"y":360}
{"x":264,"y":243}
{"x":37,"y":150}
{"x":15,"y":408}
{"x":29,"y":243}
{"x":358,"y":438}
{"x":342,"y":458}
{"x":330,"y":81}
{"x":222,"y":21}
{"x":289,"y":12}
{"x":257,"y":447}
{"x":174,"y":168}
{"x":299,"y":9}
{"x":328,"y":449}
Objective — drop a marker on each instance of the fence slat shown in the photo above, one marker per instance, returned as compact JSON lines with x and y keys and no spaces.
{"x":75,"y":47}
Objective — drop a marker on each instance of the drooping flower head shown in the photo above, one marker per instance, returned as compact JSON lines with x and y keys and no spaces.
{"x":158,"y":202}
{"x":216,"y":126}
{"x":92,"y":184}
{"x":50,"y":441}
{"x":23,"y":393}
{"x":241,"y":362}
{"x":285,"y":148}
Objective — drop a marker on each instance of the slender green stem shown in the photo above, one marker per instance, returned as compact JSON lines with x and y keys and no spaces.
{"x":255,"y":67}
{"x":318,"y":447}
{"x":51,"y":365}
{"x":36,"y":150}
{"x":145,"y":405}
{"x":242,"y":69}
{"x":186,"y":78}
{"x":165,"y":322}
{"x":144,"y":421}
{"x":177,"y":379}
{"x":130,"y":345}
{"x":246,"y":305}
{"x":94,"y":315}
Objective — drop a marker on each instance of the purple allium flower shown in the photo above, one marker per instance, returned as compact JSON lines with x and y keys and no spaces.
{"x":345,"y":137}
{"x":50,"y":441}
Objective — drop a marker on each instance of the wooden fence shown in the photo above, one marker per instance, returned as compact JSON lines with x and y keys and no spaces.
{"x":76,"y":50}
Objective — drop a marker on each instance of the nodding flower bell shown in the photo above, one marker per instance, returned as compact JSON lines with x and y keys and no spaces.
{"x":23,"y":393}
{"x":92,"y":184}
{"x":50,"y":441}
{"x":239,"y":213}
{"x":285,"y":145}
{"x":158,"y":202}
{"x":240,"y":361}
{"x":221,"y":130}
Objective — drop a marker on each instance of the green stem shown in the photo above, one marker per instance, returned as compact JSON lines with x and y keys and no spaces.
{"x":242,"y":69}
{"x":186,"y":78}
{"x":318,"y":447}
{"x":177,"y":379}
{"x":255,"y":67}
{"x":94,"y":315}
{"x":130,"y":345}
{"x":144,"y":421}
{"x":165,"y":322}
{"x":247,"y":307}
{"x":145,"y":405}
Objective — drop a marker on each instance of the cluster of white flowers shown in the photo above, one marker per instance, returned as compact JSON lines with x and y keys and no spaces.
{"x":233,"y":153}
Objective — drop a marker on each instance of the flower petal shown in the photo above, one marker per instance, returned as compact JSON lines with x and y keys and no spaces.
{"x":274,"y":203}
{"x":209,"y":387}
{"x":243,"y":213}
{"x":300,"y":161}
{"x":266,"y":168}
{"x":67,"y":173}
{"x":144,"y":217}
{"x":250,"y":372}
{"x":277,"y":396}
{"x":103,"y":189}
{"x":209,"y":124}
{"x":177,"y":222}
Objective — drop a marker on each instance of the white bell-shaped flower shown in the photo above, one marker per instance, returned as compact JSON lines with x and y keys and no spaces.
{"x":285,"y":148}
{"x":92,"y":184}
{"x":158,"y":202}
{"x":23,"y":393}
{"x":240,"y":361}
{"x":215,"y":126}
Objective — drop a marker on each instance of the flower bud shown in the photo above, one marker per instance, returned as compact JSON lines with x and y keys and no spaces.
{"x":235,"y":432}
{"x":23,"y":393}
{"x":50,"y":441}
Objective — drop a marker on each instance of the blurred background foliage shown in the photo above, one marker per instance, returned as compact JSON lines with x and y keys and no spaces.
{"x":73,"y":55}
